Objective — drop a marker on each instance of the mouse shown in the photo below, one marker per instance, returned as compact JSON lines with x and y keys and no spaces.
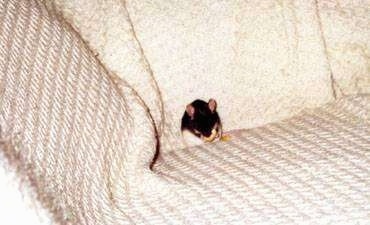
{"x":202,"y":120}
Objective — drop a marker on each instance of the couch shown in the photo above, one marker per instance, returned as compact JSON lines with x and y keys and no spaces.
{"x":92,"y":94}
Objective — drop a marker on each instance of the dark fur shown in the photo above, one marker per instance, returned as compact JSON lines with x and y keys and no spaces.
{"x":203,"y":120}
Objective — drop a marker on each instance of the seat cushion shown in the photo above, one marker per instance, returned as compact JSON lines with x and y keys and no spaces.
{"x":311,"y":168}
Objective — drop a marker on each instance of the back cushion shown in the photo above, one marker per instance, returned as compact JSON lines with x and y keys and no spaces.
{"x":347,"y":32}
{"x":262,"y":60}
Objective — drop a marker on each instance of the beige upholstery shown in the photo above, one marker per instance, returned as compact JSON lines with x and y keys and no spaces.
{"x":81,"y":140}
{"x":69,"y":126}
{"x":345,"y":26}
{"x":310,"y":169}
{"x":274,"y":57}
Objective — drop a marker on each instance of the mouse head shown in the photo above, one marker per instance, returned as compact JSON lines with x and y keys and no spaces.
{"x":204,"y":119}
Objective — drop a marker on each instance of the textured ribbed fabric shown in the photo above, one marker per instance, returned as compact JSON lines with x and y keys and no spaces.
{"x":72,"y":129}
{"x":84,"y":142}
{"x":114,"y":40}
{"x":310,"y":169}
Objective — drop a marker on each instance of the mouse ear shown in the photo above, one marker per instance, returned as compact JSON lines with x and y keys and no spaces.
{"x":212,"y":105}
{"x":190,"y":110}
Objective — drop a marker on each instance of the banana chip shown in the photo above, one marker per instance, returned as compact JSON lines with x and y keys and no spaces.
{"x":211,"y":137}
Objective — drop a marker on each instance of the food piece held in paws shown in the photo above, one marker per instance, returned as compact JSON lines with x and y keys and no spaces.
{"x":211,"y":137}
{"x":202,"y":120}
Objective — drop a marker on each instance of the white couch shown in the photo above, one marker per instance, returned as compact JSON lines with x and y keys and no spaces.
{"x":292,"y":83}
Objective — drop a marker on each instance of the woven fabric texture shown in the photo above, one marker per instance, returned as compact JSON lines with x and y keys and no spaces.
{"x":345,"y":26}
{"x":275,"y":57}
{"x":107,"y":28}
{"x":74,"y":129}
{"x":310,"y":169}
{"x":85,"y":141}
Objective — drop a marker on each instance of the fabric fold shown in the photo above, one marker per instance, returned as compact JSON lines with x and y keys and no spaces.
{"x":81,"y":137}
